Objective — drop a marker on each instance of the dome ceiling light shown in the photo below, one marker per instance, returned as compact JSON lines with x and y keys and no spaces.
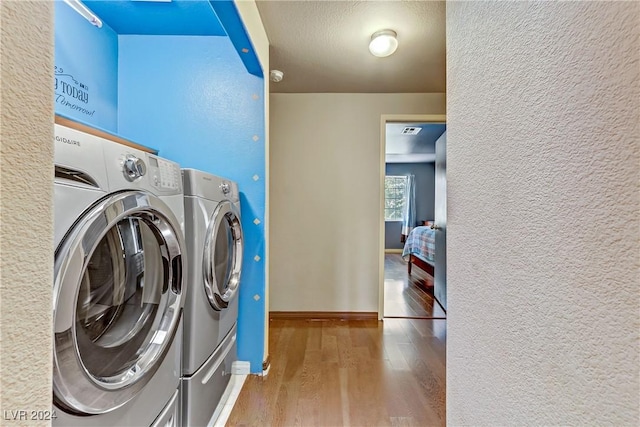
{"x":383,"y":43}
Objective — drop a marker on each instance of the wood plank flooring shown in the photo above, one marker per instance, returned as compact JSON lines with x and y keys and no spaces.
{"x":349,"y":373}
{"x":404,"y":295}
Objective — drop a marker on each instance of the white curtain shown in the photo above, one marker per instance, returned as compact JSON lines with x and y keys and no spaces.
{"x":409,"y":216}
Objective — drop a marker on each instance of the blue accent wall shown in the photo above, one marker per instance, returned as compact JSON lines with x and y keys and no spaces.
{"x":193,"y":99}
{"x":86,"y":70}
{"x":229,"y":16}
{"x":176,"y":17}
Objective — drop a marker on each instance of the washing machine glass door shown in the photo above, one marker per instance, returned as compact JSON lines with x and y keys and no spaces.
{"x":117,"y":301}
{"x":223,"y":255}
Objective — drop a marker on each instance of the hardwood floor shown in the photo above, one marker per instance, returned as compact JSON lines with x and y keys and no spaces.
{"x":404,"y":295}
{"x":349,"y":373}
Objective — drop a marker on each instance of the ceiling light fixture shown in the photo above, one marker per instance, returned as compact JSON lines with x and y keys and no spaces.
{"x":83,"y":10}
{"x":383,"y":43}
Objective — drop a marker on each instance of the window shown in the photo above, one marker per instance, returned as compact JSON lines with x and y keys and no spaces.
{"x":395,"y":194}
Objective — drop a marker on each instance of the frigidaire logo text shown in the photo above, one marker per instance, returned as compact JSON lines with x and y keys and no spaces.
{"x":67,"y":141}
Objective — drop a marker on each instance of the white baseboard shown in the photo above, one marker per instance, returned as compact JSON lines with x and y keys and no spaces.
{"x":241,"y":367}
{"x":229,"y":398}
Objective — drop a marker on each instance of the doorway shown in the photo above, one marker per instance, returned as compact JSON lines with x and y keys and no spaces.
{"x":408,"y":200}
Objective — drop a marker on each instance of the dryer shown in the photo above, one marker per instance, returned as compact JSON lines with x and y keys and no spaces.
{"x":215,"y":244}
{"x":118,"y":286}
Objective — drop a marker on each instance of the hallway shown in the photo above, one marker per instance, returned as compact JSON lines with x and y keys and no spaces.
{"x":358,"y":372}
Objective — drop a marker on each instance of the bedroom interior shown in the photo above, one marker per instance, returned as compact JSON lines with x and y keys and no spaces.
{"x":412,"y":172}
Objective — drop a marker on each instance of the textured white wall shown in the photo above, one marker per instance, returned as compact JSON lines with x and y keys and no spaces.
{"x":26,"y":227}
{"x":543,"y":225}
{"x":324,"y":197}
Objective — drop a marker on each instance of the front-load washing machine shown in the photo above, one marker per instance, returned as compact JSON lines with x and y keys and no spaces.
{"x":214,"y":242}
{"x":118,"y":284}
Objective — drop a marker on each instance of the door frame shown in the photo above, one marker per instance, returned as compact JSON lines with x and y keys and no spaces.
{"x":384,"y":119}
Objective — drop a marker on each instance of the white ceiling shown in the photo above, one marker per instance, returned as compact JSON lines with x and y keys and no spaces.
{"x":322,"y":46}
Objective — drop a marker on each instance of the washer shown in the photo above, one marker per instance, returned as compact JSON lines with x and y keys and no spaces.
{"x":215,"y":244}
{"x":118,"y":286}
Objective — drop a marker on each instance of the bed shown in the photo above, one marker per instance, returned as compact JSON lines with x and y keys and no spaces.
{"x":419,"y":249}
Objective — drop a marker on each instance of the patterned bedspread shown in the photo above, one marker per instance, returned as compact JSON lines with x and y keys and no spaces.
{"x":420,"y":242}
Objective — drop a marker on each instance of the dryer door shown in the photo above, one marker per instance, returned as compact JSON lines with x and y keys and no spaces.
{"x":117,"y":301}
{"x":223,"y":255}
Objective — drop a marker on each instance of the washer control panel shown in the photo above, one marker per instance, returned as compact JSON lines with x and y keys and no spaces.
{"x":133,"y":168}
{"x":164,"y":174}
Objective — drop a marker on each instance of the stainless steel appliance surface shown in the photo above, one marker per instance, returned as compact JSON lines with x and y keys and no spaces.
{"x":118,"y":284}
{"x":215,"y":244}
